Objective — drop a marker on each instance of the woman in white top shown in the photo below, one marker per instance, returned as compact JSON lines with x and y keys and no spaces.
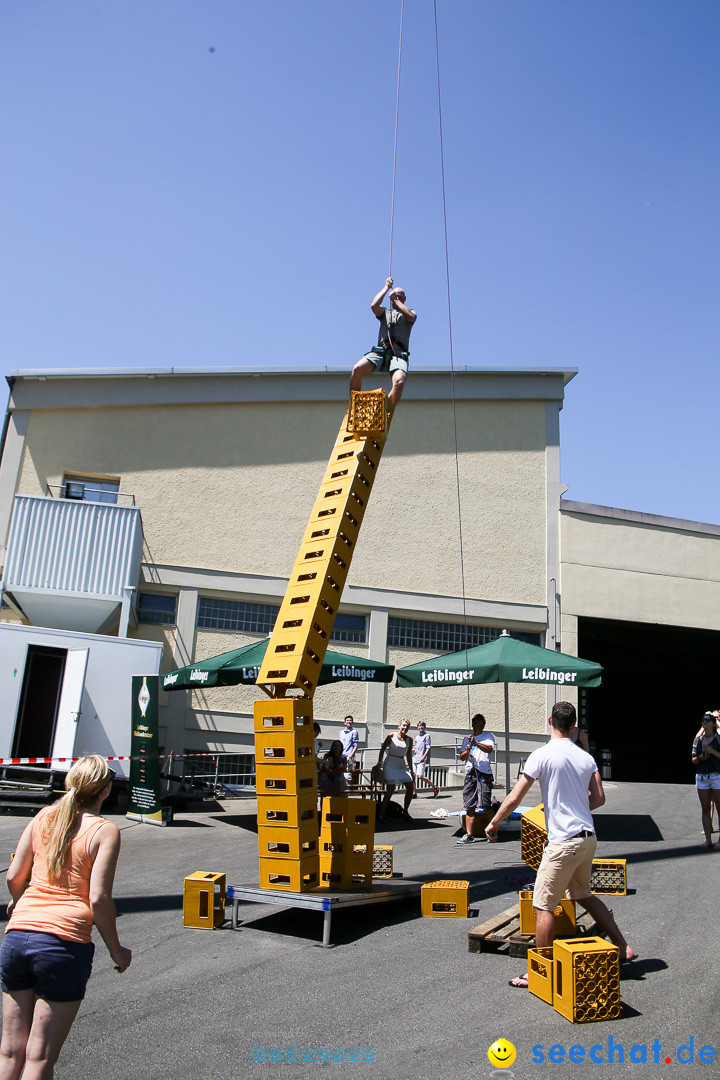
{"x":398,"y":768}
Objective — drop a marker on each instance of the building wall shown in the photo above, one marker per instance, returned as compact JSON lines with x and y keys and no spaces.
{"x":619,"y":564}
{"x":230,"y":487}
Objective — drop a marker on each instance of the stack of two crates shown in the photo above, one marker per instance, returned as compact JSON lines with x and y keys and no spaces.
{"x":286,"y":780}
{"x":347,"y":838}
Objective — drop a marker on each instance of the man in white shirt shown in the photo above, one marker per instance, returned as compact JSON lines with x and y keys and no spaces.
{"x":421,"y":749}
{"x":475,"y":752}
{"x":571,"y":789}
{"x":349,"y":739}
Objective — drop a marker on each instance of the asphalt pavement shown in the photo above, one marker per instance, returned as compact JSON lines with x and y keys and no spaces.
{"x":397,"y":995}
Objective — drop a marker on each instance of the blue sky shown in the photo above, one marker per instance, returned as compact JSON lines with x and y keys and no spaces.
{"x":208,"y":182}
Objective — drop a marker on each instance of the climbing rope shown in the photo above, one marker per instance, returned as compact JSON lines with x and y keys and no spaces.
{"x":397,"y":112}
{"x":447,"y":281}
{"x":452,"y":361}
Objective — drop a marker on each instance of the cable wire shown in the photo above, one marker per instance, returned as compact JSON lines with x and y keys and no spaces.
{"x":397,"y":113}
{"x":452,"y":361}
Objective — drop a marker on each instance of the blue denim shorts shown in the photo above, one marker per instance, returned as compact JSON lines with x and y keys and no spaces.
{"x":56,"y":969}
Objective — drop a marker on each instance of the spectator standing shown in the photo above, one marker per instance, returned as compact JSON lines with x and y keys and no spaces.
{"x":350,"y":741}
{"x":475,"y":752}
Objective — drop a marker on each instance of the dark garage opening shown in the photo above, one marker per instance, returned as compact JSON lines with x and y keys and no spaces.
{"x":658,"y":682}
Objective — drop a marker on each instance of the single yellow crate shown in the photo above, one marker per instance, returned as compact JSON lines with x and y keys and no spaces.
{"x":540,"y":973}
{"x":358,"y":872}
{"x":292,"y":875}
{"x":286,"y":779}
{"x":288,"y":714}
{"x":448,"y":899}
{"x":287,"y":811}
{"x":284,"y":747}
{"x":587,"y":979}
{"x":334,"y":812}
{"x":279,"y":843}
{"x":368,"y":413}
{"x":360,"y":818}
{"x":609,"y":876}
{"x":533,"y":836}
{"x":564,"y":916}
{"x":338,"y":871}
{"x":204,"y":900}
{"x":383,"y":860}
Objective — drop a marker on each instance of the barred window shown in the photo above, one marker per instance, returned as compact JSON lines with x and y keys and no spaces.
{"x":157,"y":608}
{"x":236,"y":615}
{"x":349,"y":628}
{"x":424,"y":635}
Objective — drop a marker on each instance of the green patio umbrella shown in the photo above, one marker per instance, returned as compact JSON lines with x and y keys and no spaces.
{"x":242,"y":666}
{"x":505,"y":660}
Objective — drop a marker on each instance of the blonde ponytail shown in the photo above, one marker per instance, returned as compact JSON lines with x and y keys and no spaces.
{"x":84,"y":782}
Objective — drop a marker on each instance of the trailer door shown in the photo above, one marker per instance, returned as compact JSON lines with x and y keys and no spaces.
{"x":70,"y":703}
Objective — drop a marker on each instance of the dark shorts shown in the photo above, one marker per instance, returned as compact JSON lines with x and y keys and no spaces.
{"x":385,"y":359}
{"x":477,"y":789}
{"x":56,"y":969}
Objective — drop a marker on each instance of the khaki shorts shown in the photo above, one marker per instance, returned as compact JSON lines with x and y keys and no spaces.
{"x":565,"y":865}
{"x":385,"y":358}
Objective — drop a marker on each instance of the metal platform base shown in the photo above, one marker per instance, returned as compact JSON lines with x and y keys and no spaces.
{"x":324,"y":900}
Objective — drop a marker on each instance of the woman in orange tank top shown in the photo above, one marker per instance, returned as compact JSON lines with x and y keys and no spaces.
{"x":61,"y":885}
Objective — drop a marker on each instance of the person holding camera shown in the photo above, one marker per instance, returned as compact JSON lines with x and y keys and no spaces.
{"x":475,"y":752}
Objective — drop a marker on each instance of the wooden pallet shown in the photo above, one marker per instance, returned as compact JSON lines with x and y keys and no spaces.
{"x":502,"y":933}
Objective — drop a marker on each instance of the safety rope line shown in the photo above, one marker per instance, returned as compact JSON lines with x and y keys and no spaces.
{"x":397,"y":111}
{"x":452,"y":361}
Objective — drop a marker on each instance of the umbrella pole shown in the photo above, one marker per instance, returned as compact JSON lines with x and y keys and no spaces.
{"x":507,"y":738}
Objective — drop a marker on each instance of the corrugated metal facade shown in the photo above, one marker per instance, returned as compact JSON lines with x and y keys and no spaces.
{"x":69,"y":546}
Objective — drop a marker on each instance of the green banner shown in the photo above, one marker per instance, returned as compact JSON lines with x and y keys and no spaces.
{"x":144,"y":798}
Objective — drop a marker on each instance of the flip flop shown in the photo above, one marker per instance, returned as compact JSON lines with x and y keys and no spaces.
{"x":520,"y":983}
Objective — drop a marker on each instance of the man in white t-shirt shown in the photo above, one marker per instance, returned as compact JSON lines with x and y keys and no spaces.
{"x":475,"y":752}
{"x":571,"y":789}
{"x":350,"y":741}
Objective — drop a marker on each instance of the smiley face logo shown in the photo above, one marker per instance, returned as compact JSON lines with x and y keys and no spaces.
{"x":501,"y":1054}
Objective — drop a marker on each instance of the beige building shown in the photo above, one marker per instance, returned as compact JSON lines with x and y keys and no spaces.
{"x":216,"y":472}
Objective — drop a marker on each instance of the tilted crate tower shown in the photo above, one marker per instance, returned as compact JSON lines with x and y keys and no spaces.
{"x":293,"y":661}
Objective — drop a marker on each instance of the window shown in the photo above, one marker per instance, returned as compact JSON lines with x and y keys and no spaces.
{"x":156,"y":608}
{"x":236,"y":615}
{"x":441,"y":637}
{"x":349,"y":628}
{"x":86,"y":489}
{"x":242,"y":617}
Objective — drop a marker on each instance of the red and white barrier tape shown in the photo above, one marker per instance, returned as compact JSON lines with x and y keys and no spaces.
{"x":65,"y":760}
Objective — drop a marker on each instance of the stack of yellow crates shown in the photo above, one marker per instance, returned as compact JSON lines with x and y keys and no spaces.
{"x":286,"y":780}
{"x":347,"y":836}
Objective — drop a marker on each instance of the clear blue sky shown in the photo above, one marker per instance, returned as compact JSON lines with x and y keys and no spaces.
{"x":208,"y":182}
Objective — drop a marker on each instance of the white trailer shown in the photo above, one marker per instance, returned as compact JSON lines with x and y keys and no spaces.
{"x":66,"y":694}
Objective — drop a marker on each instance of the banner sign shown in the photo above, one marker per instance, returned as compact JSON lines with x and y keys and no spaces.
{"x":144,"y":795}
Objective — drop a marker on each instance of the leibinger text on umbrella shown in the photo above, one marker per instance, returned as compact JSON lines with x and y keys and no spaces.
{"x":548,"y":675}
{"x":447,"y":676}
{"x":170,"y":679}
{"x":349,"y":671}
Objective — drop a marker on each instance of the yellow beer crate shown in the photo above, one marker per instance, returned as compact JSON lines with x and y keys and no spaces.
{"x":204,"y":900}
{"x":287,"y":811}
{"x":587,"y":979}
{"x":291,"y":875}
{"x":564,"y":915}
{"x":288,"y":714}
{"x":540,"y":973}
{"x":276,"y":842}
{"x":609,"y":876}
{"x":447,"y":899}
